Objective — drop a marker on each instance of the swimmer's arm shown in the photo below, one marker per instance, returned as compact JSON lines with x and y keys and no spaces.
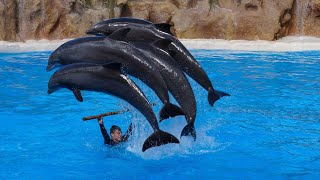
{"x":128,"y":133}
{"x":104,"y":132}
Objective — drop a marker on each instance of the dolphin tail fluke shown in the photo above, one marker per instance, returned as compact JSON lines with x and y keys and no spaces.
{"x":214,"y":95}
{"x":158,"y":138}
{"x":221,"y":93}
{"x":189,"y":130}
{"x":170,"y":110}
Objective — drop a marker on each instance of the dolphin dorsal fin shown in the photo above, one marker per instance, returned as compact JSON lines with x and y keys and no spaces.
{"x":120,"y":35}
{"x":77,"y":94}
{"x":162,"y":44}
{"x":114,"y":66}
{"x":164,"y":27}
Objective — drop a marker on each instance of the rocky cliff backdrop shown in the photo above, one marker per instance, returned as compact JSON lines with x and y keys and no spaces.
{"x":224,"y":19}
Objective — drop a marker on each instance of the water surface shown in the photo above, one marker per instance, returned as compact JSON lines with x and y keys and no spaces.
{"x":268,"y":128}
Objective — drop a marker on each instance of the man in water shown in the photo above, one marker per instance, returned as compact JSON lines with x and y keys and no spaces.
{"x":115,"y":132}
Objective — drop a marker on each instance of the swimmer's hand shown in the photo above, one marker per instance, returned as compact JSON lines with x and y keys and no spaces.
{"x":100,"y":120}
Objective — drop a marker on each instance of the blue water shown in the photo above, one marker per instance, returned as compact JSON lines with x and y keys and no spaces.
{"x":268,"y":128}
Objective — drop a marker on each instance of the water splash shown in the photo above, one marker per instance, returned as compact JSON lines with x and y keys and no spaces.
{"x":206,"y":143}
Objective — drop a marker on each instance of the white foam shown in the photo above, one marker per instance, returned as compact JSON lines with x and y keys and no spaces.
{"x":291,"y":43}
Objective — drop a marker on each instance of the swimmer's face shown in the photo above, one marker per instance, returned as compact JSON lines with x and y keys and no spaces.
{"x":116,"y":136}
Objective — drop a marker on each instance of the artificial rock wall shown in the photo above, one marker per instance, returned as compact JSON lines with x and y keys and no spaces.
{"x":224,"y":19}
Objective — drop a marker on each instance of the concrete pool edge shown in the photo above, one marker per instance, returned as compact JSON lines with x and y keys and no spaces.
{"x":291,"y":43}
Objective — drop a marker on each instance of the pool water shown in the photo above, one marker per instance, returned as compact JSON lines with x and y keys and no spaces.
{"x":268,"y":128}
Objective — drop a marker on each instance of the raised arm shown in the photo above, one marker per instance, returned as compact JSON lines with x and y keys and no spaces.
{"x":104,"y":132}
{"x":128,"y":133}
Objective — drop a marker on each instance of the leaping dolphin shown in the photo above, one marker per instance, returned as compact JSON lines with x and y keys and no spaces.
{"x":148,"y":33}
{"x":176,"y":81}
{"x":110,"y":50}
{"x":110,"y":80}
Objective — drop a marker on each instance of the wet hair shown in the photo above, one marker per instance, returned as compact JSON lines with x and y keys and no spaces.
{"x":114,"y":128}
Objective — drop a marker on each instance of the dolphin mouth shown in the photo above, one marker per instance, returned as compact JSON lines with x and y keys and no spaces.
{"x":52,"y":66}
{"x":50,"y":91}
{"x":91,"y":32}
{"x":97,"y":33}
{"x":49,"y":67}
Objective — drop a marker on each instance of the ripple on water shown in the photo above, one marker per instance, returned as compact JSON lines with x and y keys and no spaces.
{"x":268,"y":127}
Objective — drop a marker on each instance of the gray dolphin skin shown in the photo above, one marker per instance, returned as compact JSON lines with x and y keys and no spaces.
{"x":55,"y":57}
{"x":176,"y":81}
{"x":110,"y":80}
{"x":185,"y":60}
{"x":115,"y":23}
{"x":112,"y":49}
{"x":189,"y":65}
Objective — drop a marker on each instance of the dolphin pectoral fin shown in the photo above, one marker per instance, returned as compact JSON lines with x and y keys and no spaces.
{"x":170,"y":110}
{"x":189,"y":130}
{"x":162,"y":44}
{"x":164,"y":27}
{"x":214,"y":95}
{"x":120,"y":35}
{"x":158,"y":138}
{"x":77,"y":94}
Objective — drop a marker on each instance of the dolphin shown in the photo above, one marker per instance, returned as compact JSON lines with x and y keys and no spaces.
{"x":109,"y":79}
{"x":185,"y":60}
{"x":112,"y":49}
{"x":115,"y":23}
{"x":176,"y":81}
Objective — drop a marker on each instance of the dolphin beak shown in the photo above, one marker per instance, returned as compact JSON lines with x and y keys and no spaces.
{"x":49,"y":67}
{"x":91,"y":32}
{"x":50,"y":91}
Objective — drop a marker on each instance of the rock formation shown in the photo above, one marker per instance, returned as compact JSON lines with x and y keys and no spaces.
{"x":242,"y":19}
{"x":305,"y":18}
{"x":225,"y":19}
